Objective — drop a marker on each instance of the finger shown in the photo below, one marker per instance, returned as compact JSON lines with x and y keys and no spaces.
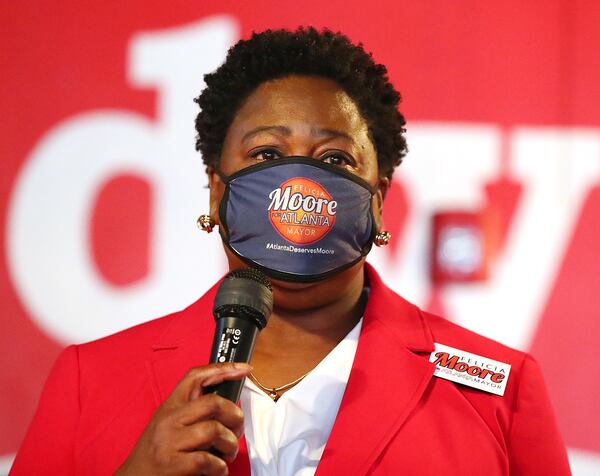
{"x":208,"y":435}
{"x":204,"y":463}
{"x":213,"y":380}
{"x":211,"y":407}
{"x":196,"y":376}
{"x":219,"y":378}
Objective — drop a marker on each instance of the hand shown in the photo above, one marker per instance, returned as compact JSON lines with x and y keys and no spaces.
{"x":187,"y":425}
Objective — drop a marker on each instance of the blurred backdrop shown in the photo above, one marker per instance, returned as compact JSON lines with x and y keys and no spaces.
{"x":495,"y":213}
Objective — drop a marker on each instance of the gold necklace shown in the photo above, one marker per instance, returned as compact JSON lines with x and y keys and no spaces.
{"x":274,"y":391}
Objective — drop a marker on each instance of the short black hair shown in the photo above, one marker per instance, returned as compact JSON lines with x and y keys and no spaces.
{"x":273,"y":54}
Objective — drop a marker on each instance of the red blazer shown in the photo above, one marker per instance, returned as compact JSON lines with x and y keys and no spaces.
{"x":395,"y":417}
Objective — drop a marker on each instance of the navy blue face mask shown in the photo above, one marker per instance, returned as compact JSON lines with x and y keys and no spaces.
{"x":297,"y":218}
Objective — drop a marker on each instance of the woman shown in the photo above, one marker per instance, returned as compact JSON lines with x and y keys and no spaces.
{"x":300,"y":134}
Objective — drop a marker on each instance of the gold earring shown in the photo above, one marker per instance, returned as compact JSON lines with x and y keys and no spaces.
{"x":205,"y":223}
{"x":382,"y":238}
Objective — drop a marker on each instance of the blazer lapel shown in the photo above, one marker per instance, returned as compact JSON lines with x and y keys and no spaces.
{"x":187,"y":343}
{"x":390,"y":373}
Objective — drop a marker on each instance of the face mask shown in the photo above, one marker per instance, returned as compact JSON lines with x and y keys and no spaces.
{"x":297,"y":219}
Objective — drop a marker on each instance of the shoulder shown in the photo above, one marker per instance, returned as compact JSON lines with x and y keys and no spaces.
{"x":107,"y":370}
{"x":472,"y":353}
{"x":519,"y":423}
{"x":524,"y":379}
{"x":116,"y":365}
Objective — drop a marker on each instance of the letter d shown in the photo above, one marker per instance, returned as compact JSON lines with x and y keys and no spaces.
{"x":48,"y":247}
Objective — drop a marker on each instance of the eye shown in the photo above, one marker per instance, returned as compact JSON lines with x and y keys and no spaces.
{"x":337,"y":158}
{"x":265,"y":154}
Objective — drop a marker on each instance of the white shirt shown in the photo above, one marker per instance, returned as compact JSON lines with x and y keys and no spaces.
{"x":287,"y":438}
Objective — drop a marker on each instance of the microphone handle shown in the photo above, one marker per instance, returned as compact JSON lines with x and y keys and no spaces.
{"x":234,"y":341}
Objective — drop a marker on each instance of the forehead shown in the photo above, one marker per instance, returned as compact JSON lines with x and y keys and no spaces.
{"x":301,"y":100}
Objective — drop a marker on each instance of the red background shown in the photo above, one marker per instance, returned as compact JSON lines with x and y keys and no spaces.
{"x":509,"y":63}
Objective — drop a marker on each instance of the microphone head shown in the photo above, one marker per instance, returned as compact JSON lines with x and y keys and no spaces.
{"x":247,"y":293}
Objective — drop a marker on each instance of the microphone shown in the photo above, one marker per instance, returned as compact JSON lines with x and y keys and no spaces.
{"x":242,"y":307}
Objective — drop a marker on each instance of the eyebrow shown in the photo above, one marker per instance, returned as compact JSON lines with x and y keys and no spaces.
{"x":286,"y":131}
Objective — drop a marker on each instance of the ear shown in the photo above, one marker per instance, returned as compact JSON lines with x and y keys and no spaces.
{"x":383,"y":186}
{"x":217,"y":188}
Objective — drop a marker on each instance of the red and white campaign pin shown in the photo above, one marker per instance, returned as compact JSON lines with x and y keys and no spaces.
{"x":470,"y":369}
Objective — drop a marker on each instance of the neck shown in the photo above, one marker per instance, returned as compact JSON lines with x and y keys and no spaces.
{"x":296,"y":339}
